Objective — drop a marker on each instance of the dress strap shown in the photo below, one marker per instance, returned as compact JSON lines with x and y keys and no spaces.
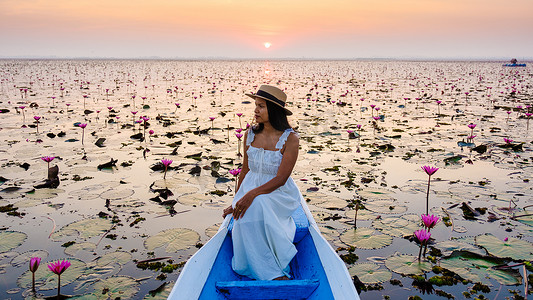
{"x":283,"y":138}
{"x":250,"y":137}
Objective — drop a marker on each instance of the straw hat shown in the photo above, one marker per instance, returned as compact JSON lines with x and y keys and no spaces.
{"x":272,"y":94}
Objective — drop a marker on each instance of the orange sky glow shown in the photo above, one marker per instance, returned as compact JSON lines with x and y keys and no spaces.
{"x":239,"y":28}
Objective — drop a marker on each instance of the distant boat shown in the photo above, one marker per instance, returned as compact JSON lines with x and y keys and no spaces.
{"x":514,"y":65}
{"x":317,"y":271}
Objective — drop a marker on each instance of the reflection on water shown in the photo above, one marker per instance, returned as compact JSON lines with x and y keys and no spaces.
{"x":391,"y":109}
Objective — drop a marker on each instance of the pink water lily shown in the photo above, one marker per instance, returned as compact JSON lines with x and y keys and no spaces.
{"x":48,"y":158}
{"x":235,"y":172}
{"x":82,"y":126}
{"x":472,"y":125}
{"x":239,"y":135}
{"x":507,"y":141}
{"x":166,"y":163}
{"x":430,"y":171}
{"x":34,"y":265}
{"x":430,"y":221}
{"x":58,"y":268}
{"x":423,"y":237}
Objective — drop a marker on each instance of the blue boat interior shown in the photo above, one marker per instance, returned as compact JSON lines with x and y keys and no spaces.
{"x":309,"y":280}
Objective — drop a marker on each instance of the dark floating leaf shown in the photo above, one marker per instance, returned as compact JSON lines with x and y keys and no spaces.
{"x":195,"y":171}
{"x":453,"y":159}
{"x":108,"y":165}
{"x":137,"y":136}
{"x":196,"y":156}
{"x":100,"y":142}
{"x":25,"y":166}
{"x":222,"y":180}
{"x":480,"y":149}
{"x":51,"y":135}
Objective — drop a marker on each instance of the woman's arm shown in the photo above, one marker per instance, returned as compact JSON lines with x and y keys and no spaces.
{"x":244,"y":170}
{"x":290,"y":156}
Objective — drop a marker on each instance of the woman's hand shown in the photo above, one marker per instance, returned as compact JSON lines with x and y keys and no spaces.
{"x":227,"y":211}
{"x":242,"y":205}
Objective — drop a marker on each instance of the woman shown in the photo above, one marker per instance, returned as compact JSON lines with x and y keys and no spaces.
{"x":266,"y":196}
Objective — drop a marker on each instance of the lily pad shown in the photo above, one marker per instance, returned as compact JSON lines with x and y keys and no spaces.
{"x":448,"y":247}
{"x":397,"y":226}
{"x":73,"y":249}
{"x":114,"y":194}
{"x":362,"y":214}
{"x":118,"y":257}
{"x":46,"y":280}
{"x":160,"y":293}
{"x":407,"y":264}
{"x":123,"y":287}
{"x":478,"y":268}
{"x":24,"y":258}
{"x":385,"y":207}
{"x":11,"y":240}
{"x":174,"y":239}
{"x":365,"y":238}
{"x":512,"y":248}
{"x":193,"y":199}
{"x":370,"y":273}
{"x":375,"y":194}
{"x":85,"y":228}
{"x":44,"y":193}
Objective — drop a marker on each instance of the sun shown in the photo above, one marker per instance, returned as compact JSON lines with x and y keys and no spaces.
{"x":267,"y":45}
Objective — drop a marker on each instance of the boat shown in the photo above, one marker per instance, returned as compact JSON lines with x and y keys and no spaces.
{"x":514,"y":63}
{"x":317,"y":271}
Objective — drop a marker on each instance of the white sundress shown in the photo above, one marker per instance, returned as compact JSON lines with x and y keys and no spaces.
{"x":263,"y":238}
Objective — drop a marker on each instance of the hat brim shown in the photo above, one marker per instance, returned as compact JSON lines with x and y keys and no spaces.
{"x":287,"y":112}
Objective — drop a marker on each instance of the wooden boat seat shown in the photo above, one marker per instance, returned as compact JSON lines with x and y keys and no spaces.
{"x":300,"y":220}
{"x":273,"y":289}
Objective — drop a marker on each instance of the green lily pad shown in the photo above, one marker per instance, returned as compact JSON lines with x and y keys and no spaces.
{"x":512,"y":248}
{"x":212,"y":230}
{"x":407,"y":264}
{"x":11,"y":240}
{"x":174,"y":239}
{"x":118,"y":257}
{"x":193,"y":199}
{"x":478,"y":268}
{"x":25,"y":203}
{"x":44,"y":193}
{"x":114,"y":194}
{"x":123,"y":287}
{"x":375,"y":194}
{"x":448,"y":247}
{"x":161,"y":293}
{"x":362,"y":214}
{"x":85,"y":228}
{"x":528,"y":220}
{"x":370,"y":273}
{"x":46,"y":280}
{"x":397,"y":226}
{"x":24,"y":258}
{"x":332,"y":202}
{"x":385,"y":207}
{"x":365,"y":238}
{"x":73,"y":249}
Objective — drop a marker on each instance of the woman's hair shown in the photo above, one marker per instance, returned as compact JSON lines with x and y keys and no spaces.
{"x":277,"y":118}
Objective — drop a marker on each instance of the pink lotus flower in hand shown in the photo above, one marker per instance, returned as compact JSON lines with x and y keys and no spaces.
{"x":59,"y":267}
{"x":430,"y":170}
{"x":34,"y":264}
{"x":430,"y":221}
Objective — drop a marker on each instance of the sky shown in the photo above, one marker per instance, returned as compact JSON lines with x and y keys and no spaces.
{"x":310,"y":29}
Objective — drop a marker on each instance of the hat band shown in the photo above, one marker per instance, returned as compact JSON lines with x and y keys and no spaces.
{"x":270,"y":97}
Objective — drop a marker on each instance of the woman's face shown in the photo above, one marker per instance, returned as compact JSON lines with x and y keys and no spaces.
{"x":261,"y":111}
